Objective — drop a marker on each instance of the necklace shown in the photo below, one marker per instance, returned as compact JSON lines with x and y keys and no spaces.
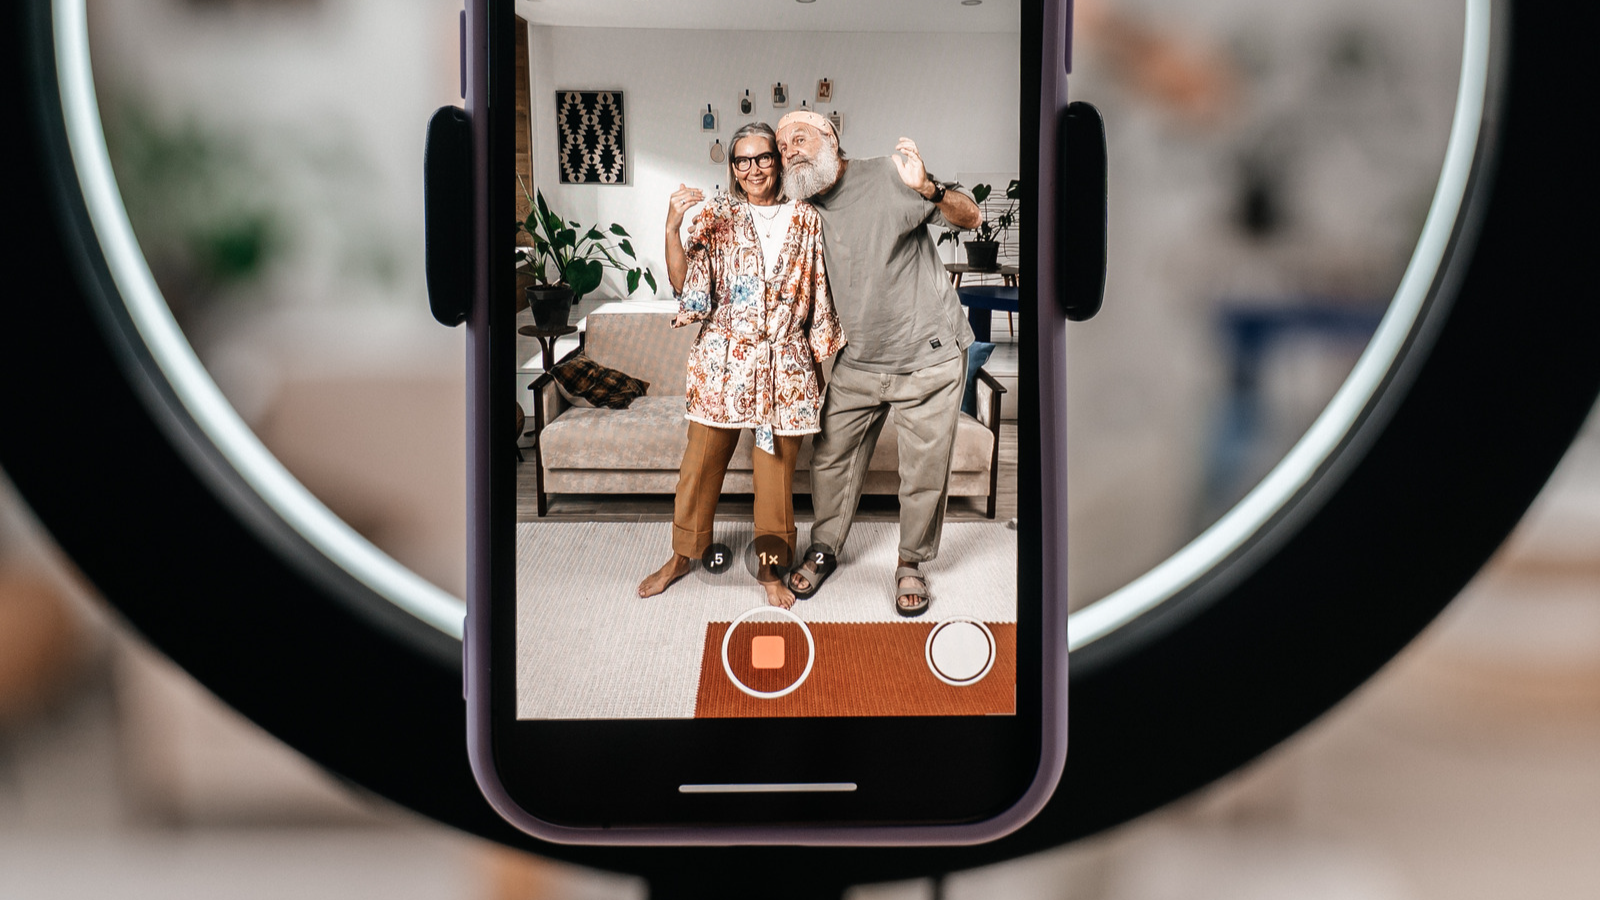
{"x":766,"y":232}
{"x":769,"y":220}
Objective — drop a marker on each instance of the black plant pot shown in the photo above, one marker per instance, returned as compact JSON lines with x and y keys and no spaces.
{"x":551,"y":306}
{"x":983,"y":254}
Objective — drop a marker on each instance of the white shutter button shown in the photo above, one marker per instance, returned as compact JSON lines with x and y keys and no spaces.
{"x":960,"y":651}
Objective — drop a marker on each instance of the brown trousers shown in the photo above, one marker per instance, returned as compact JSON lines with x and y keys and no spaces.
{"x":705,"y":462}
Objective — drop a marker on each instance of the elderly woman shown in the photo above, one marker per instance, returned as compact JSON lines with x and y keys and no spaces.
{"x":753,"y":274}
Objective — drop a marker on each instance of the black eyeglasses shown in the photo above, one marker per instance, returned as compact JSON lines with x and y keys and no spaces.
{"x":765,"y":161}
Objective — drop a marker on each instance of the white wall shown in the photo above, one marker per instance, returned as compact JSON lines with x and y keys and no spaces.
{"x":955,"y":95}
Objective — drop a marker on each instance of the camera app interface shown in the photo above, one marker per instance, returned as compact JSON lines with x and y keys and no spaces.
{"x":767,"y":277}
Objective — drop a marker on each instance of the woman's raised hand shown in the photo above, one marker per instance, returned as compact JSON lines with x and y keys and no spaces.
{"x":680,"y":203}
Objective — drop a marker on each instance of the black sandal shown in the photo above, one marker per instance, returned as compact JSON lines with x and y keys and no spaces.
{"x":822,"y":564}
{"x":920,"y":592}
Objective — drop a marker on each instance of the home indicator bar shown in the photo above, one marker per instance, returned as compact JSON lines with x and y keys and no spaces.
{"x":776,"y":788}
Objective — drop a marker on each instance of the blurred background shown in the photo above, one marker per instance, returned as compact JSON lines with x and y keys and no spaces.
{"x":1271,"y":164}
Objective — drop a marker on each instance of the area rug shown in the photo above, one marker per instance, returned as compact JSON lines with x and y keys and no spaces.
{"x":589,"y":647}
{"x":860,"y":669}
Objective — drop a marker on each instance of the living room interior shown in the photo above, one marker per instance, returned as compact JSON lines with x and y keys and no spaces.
{"x":948,"y":80}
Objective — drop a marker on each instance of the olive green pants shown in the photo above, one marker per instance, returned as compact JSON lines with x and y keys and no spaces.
{"x":926,"y":406}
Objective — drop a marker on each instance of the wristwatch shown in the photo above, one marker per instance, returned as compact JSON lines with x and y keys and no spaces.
{"x":938,"y":192}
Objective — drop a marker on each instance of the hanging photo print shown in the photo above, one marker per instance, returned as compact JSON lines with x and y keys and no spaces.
{"x":825,"y":91}
{"x":717,"y":153}
{"x":780,"y":96}
{"x":589,"y":127}
{"x":746,"y":105}
{"x":708,"y":119}
{"x":837,"y":121}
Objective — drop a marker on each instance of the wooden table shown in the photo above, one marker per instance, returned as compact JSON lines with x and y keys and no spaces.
{"x":547,"y":338}
{"x":1008,"y":274}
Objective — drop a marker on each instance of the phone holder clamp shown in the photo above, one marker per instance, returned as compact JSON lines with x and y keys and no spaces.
{"x":1081,"y":228}
{"x":447,"y":214}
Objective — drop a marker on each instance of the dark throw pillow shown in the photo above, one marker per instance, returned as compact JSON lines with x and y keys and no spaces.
{"x":608,"y":388}
{"x":977,"y":355}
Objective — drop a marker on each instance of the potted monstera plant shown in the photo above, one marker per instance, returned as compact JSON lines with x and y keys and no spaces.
{"x":983,"y":250}
{"x":568,"y":261}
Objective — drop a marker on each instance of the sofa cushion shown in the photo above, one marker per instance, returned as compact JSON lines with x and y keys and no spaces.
{"x":652,"y":434}
{"x":978,"y":353}
{"x":642,"y":343}
{"x":585,"y":382}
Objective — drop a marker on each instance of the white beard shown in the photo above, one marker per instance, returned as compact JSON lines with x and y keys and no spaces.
{"x":803,"y":179}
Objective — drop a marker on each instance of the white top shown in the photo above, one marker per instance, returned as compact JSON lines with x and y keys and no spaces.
{"x":772,"y":227}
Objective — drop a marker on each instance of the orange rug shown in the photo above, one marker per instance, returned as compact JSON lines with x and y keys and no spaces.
{"x":861,"y":669}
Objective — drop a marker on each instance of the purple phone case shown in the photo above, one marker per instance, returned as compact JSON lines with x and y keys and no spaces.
{"x":1051,"y":337}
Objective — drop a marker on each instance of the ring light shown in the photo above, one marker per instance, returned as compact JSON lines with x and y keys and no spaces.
{"x":1478,"y":378}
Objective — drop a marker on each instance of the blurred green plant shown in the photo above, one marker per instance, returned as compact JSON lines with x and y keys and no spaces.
{"x":197,"y":202}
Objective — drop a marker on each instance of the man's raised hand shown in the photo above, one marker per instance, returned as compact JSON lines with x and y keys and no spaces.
{"x":909,"y":164}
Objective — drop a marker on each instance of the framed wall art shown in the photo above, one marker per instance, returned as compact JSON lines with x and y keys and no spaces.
{"x":780,"y":96}
{"x":591,"y":130}
{"x":824,"y":91}
{"x":708,"y":119}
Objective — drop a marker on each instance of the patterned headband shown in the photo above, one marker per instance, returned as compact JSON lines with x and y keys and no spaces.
{"x":808,"y":117}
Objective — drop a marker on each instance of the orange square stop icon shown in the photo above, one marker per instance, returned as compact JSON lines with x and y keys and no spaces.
{"x":766,"y":651}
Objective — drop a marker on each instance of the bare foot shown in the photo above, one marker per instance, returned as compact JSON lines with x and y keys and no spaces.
{"x":777,"y":594}
{"x":662,"y":578}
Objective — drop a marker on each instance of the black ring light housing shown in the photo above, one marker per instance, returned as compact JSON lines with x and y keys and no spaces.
{"x":1497,"y":375}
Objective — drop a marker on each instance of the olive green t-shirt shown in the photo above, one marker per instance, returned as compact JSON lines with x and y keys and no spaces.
{"x":894,"y":298}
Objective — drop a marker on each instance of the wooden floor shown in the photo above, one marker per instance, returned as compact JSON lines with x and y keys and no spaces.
{"x":740,"y":507}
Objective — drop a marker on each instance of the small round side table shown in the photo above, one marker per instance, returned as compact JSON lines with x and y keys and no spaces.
{"x":547,"y":338}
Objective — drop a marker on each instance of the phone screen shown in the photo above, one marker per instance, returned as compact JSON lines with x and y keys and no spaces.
{"x":768,"y":259}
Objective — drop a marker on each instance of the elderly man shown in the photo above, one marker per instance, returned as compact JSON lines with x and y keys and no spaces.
{"x":906,"y":355}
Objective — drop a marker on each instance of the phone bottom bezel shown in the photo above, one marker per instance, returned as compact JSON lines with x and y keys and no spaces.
{"x":907,"y":771}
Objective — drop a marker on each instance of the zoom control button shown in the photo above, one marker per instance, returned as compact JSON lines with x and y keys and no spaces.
{"x":717,"y":559}
{"x":768,"y":555}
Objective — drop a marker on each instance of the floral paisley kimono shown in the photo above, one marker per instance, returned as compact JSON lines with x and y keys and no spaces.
{"x":756,"y":361}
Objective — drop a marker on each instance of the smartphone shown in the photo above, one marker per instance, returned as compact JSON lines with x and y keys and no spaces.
{"x":773,"y":549}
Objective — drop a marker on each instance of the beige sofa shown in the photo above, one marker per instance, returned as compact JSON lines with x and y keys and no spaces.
{"x":638,"y":450}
